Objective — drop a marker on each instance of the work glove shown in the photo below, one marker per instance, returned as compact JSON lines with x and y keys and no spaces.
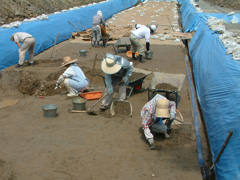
{"x":150,"y":141}
{"x":125,"y":79}
{"x":172,"y":115}
{"x":57,"y":86}
{"x":110,"y":90}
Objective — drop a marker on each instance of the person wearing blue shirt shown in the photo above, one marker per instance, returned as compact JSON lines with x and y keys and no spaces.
{"x":73,"y":77}
{"x":117,"y":71}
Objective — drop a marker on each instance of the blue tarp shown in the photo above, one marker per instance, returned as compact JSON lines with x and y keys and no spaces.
{"x":217,"y":80}
{"x":45,"y":32}
{"x":190,"y":18}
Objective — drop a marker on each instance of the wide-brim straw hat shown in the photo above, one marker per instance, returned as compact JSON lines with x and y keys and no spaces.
{"x":12,"y":37}
{"x":68,"y":60}
{"x":162,"y":110}
{"x":110,"y":66}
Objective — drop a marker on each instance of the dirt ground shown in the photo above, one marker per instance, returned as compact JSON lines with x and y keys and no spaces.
{"x":76,"y":146}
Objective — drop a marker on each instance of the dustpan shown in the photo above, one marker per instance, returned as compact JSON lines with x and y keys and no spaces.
{"x":121,"y":107}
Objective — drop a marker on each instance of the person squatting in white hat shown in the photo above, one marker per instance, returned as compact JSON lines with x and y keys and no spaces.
{"x":153,"y":113}
{"x":117,"y":71}
{"x":136,"y":35}
{"x":96,"y":29}
{"x":28,"y":43}
{"x":73,"y":77}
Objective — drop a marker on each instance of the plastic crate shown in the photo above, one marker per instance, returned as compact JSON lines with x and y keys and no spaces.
{"x":91,"y":95}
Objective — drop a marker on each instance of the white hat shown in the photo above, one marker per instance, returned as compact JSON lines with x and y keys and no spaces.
{"x":67,"y":60}
{"x":110,"y":66}
{"x":153,"y":27}
{"x":12,"y":37}
{"x":99,"y":12}
{"x":162,"y":108}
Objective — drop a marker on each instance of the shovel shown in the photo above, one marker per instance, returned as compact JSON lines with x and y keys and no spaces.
{"x":54,"y":47}
{"x":89,"y":111}
{"x":92,"y":88}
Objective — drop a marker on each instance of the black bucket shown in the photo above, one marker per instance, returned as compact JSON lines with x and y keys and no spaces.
{"x":83,"y":52}
{"x":50,"y":110}
{"x":148,"y":55}
{"x":79,"y":104}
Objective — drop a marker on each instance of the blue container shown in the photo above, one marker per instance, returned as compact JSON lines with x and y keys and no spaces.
{"x":50,"y":110}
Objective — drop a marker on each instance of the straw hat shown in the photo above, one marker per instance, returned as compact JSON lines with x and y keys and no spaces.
{"x":67,"y":60}
{"x":12,"y":37}
{"x":162,"y":108}
{"x":110,"y":66}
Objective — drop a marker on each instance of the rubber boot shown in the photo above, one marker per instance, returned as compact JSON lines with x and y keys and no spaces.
{"x":97,"y":43}
{"x":140,"y":59}
{"x":133,"y":56}
{"x":94,"y":43}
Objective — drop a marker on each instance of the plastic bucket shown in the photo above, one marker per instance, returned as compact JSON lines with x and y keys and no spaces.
{"x":83,"y":52}
{"x":50,"y":110}
{"x":148,"y":55}
{"x":79,"y":104}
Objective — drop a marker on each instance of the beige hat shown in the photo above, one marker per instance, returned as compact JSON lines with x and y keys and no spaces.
{"x":162,"y":108}
{"x":67,"y":60}
{"x":12,"y":37}
{"x":110,"y":66}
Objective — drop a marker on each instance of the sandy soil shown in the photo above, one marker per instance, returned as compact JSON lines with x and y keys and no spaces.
{"x":81,"y":146}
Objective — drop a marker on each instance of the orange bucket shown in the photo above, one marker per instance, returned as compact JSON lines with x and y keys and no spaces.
{"x":129,"y":54}
{"x":91,"y":95}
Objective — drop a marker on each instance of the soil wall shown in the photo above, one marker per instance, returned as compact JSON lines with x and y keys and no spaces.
{"x":12,"y":10}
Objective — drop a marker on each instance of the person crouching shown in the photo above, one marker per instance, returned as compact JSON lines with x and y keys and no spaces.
{"x":73,"y":77}
{"x":153,"y":113}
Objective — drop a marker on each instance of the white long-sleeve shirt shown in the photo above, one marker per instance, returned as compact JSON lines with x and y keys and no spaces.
{"x":142,"y":32}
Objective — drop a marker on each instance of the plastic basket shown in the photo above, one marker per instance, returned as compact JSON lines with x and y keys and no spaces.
{"x":91,"y":95}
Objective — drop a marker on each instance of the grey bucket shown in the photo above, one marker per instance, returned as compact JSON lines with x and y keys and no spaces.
{"x":50,"y":110}
{"x":79,"y":104}
{"x":83,"y":52}
{"x":148,"y":55}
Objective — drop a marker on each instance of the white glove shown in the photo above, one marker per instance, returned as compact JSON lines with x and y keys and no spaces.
{"x":57,"y":86}
{"x":172,"y":115}
{"x":150,"y":141}
{"x":19,"y":50}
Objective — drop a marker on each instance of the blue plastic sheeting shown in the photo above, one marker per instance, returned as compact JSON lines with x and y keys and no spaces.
{"x":164,"y":0}
{"x":196,"y":122}
{"x":189,"y":16}
{"x":45,"y":32}
{"x":218,"y":90}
